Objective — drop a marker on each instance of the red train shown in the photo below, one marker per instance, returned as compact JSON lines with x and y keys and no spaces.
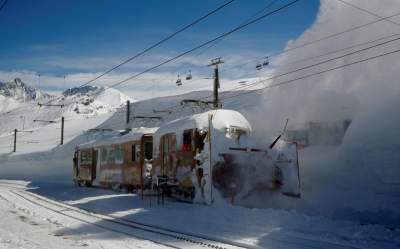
{"x":189,"y":159}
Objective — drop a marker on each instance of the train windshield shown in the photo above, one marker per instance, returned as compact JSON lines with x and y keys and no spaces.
{"x":148,"y":150}
{"x":235,"y":131}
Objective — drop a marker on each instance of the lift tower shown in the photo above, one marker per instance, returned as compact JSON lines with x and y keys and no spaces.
{"x":215,"y":62}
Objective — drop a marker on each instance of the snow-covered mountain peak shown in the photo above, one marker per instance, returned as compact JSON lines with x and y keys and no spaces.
{"x":93,"y":99}
{"x":84,"y":90}
{"x":21,"y":92}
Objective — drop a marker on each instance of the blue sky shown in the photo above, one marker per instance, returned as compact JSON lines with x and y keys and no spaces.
{"x":88,"y":36}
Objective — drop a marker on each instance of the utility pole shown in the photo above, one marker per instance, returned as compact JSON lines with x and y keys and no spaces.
{"x":215,"y":62}
{"x":15,"y":140}
{"x":128,"y":112}
{"x":62,"y":130}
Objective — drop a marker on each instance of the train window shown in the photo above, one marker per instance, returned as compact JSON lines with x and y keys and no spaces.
{"x":119,"y":155}
{"x":148,"y":150}
{"x":187,"y":141}
{"x":200,"y":137}
{"x":86,"y":157}
{"x":138,"y":152}
{"x":235,"y":132}
{"x":165,"y":150}
{"x":110,"y":155}
{"x":103,"y":155}
{"x":133,"y":152}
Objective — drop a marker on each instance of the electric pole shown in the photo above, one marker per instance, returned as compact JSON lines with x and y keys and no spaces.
{"x":15,"y":140}
{"x":215,"y":62}
{"x":62,"y":130}
{"x":128,"y":112}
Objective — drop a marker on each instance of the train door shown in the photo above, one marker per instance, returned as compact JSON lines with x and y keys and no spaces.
{"x":94,"y":163}
{"x":75,"y":166}
{"x":168,"y":150}
{"x":146,"y":162}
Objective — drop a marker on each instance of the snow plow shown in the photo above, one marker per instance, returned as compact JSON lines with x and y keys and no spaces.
{"x":191,"y":158}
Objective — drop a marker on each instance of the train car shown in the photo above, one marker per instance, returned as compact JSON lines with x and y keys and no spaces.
{"x":194,"y":154}
{"x":118,"y":162}
{"x":190,"y":158}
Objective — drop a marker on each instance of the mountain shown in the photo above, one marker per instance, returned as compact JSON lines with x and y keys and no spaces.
{"x":19,"y":104}
{"x":21,"y":92}
{"x":93,"y":99}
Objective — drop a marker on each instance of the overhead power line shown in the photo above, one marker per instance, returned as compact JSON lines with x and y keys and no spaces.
{"x":160,"y":42}
{"x":206,"y":43}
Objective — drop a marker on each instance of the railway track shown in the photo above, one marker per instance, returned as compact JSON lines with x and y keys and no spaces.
{"x":158,"y":234}
{"x":127,"y":227}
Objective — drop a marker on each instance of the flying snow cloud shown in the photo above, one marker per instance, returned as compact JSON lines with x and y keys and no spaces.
{"x":367,"y":93}
{"x":340,"y":93}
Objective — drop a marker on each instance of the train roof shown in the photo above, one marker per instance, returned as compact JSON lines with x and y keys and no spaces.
{"x":134,"y":135}
{"x":222,"y":119}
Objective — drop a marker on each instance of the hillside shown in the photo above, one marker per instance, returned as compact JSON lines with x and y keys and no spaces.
{"x":20,"y":110}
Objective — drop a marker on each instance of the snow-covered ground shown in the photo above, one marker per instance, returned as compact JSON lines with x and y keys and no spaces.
{"x":32,"y":226}
{"x":257,"y":228}
{"x":269,"y":220}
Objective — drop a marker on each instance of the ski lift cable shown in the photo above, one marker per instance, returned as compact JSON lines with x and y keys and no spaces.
{"x":385,"y":18}
{"x":303,"y":68}
{"x":293,"y":71}
{"x":247,"y":20}
{"x":299,"y":69}
{"x":313,"y":74}
{"x":368,"y":12}
{"x":162,"y":41}
{"x":206,"y":43}
{"x":337,"y":51}
{"x":331,"y":36}
{"x":187,"y":26}
{"x":316,"y":64}
{"x":274,"y":54}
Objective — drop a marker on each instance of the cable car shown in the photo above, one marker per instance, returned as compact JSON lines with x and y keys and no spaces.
{"x":189,"y":76}
{"x":266,"y":62}
{"x":258,"y":66}
{"x":178,"y":81}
